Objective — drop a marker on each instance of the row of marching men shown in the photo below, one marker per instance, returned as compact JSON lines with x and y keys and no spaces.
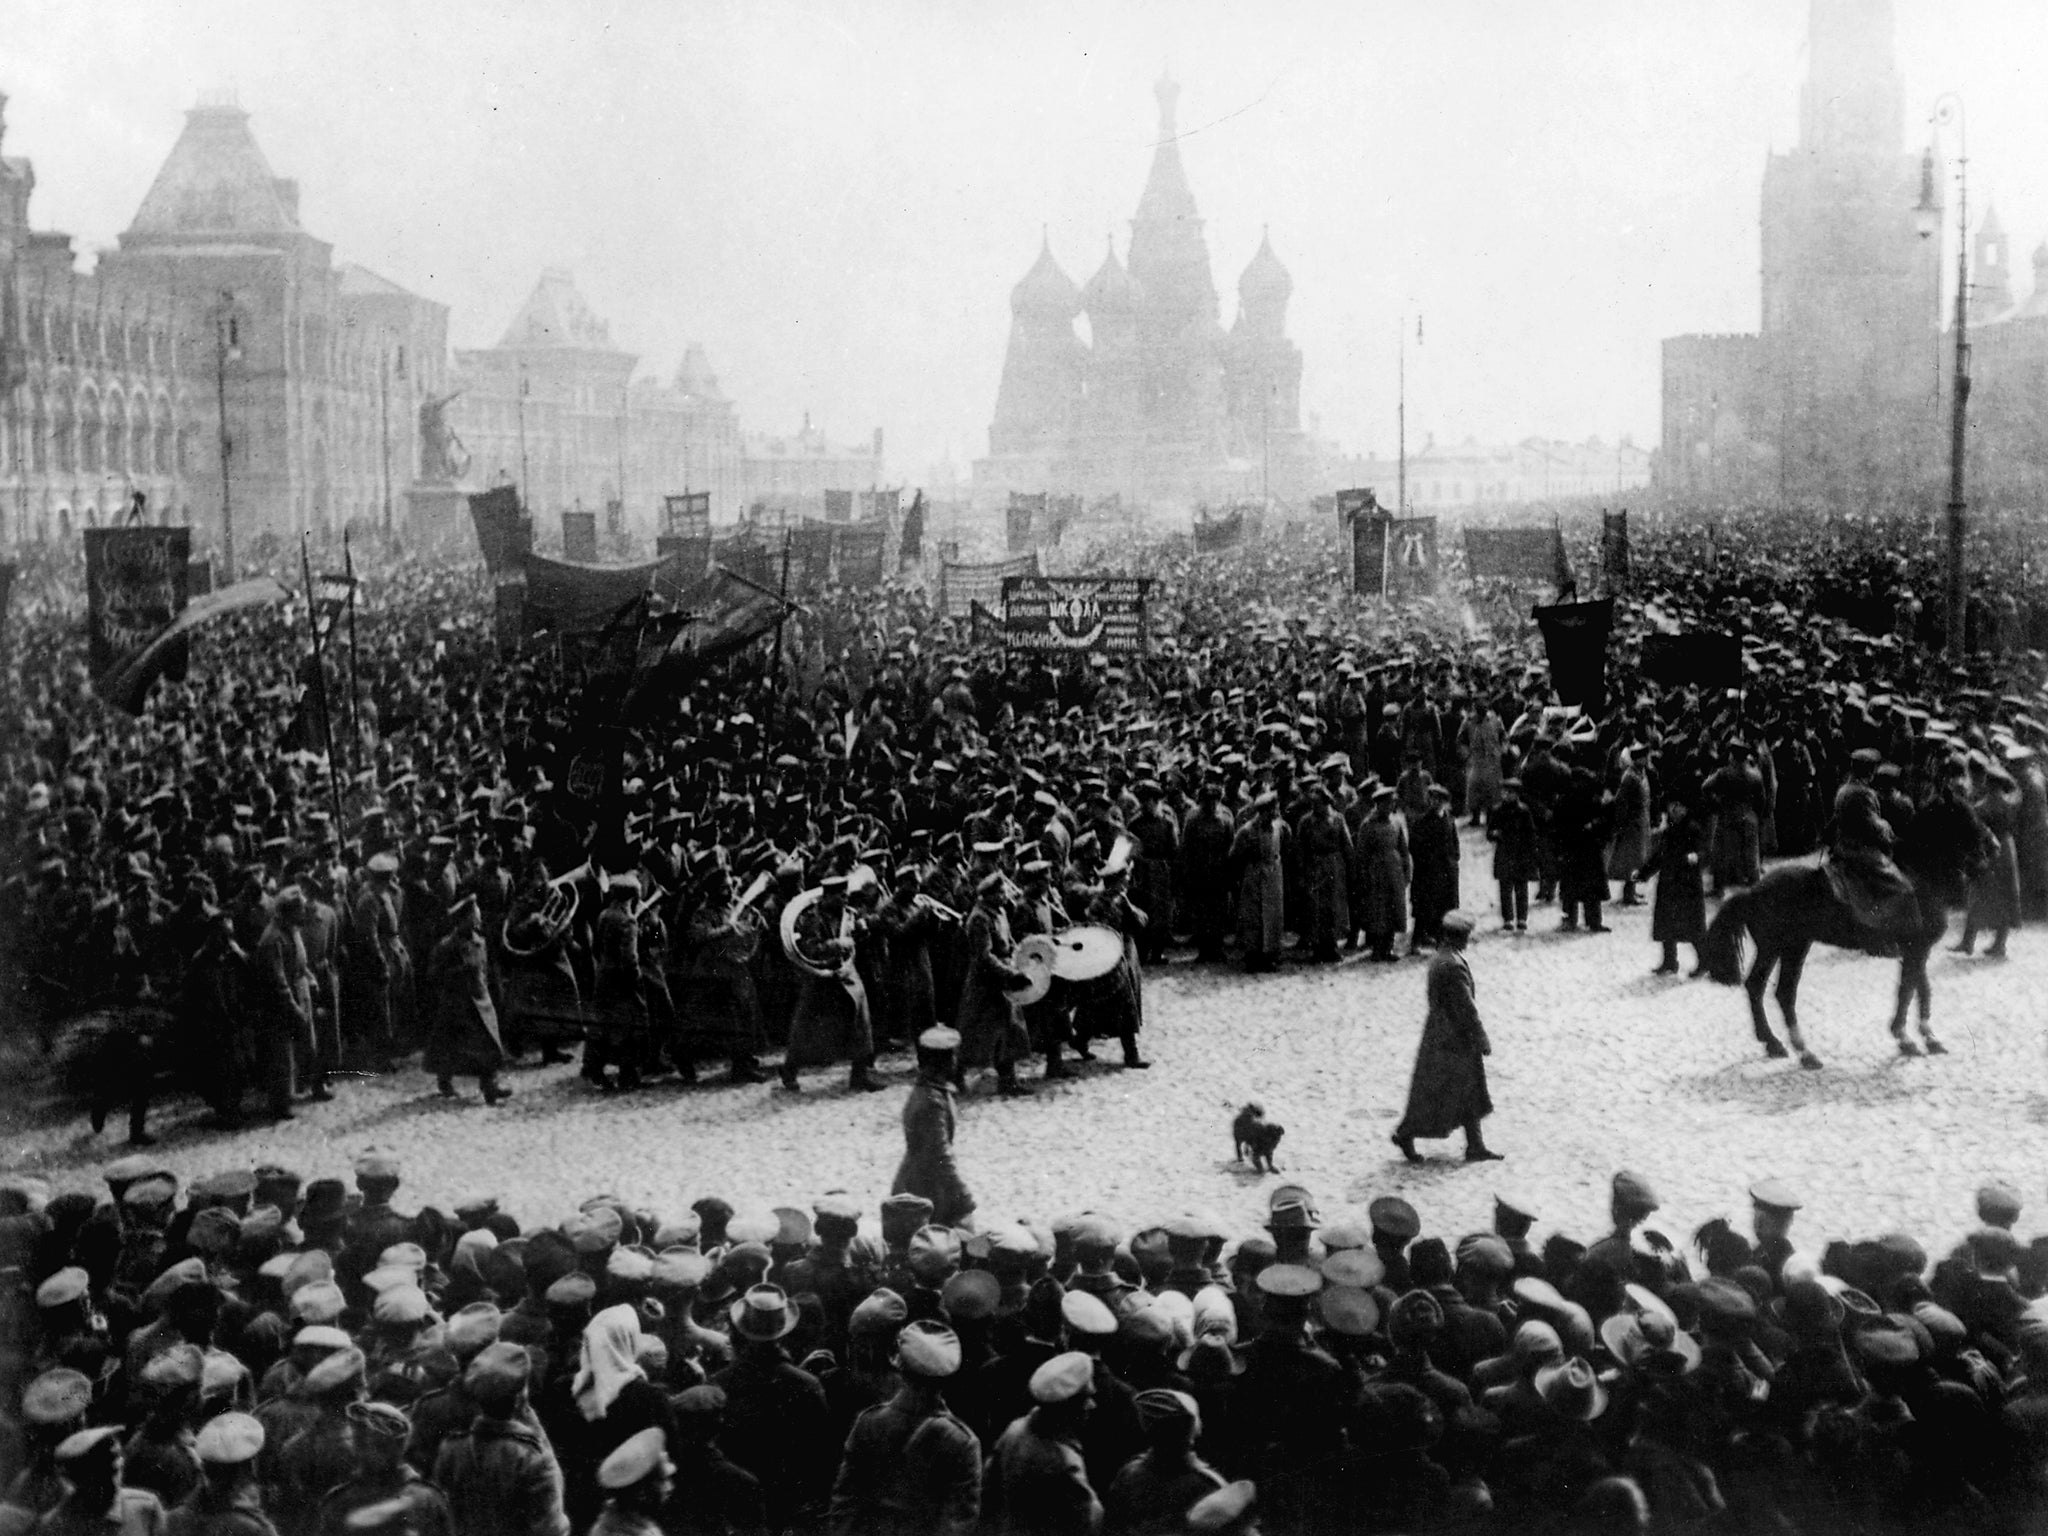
{"x":986,"y":937}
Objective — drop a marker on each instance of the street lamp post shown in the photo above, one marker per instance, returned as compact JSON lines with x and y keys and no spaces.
{"x":1948,"y":111}
{"x":227,"y":348}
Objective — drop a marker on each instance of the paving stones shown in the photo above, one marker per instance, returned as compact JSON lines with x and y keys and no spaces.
{"x":1596,"y":1064}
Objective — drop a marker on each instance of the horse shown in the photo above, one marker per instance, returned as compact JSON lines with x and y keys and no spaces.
{"x":1794,"y":907}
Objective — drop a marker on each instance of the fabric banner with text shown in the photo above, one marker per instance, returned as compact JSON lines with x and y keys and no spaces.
{"x":810,"y":556}
{"x":860,"y":553}
{"x":135,"y":581}
{"x":1371,"y":530}
{"x":1103,"y":614}
{"x":503,"y":532}
{"x":127,"y":686}
{"x":960,"y":586}
{"x":1575,"y":641}
{"x":563,"y":599}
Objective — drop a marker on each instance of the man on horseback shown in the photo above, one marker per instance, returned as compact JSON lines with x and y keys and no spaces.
{"x":1859,"y":861}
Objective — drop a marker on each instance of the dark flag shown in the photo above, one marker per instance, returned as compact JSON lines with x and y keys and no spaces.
{"x":1371,"y":533}
{"x":1614,"y":548}
{"x":1705,"y":657}
{"x":503,"y":532}
{"x":1413,"y":544}
{"x":1562,"y":576}
{"x":985,"y":625}
{"x":860,"y":553}
{"x":810,"y":556}
{"x":127,"y":685}
{"x":199,"y":577}
{"x":579,"y":537}
{"x":911,"y":551}
{"x":690,"y":556}
{"x":883,"y":505}
{"x":1575,"y":642}
{"x":563,"y":599}
{"x":839,"y":506}
{"x":716,"y":617}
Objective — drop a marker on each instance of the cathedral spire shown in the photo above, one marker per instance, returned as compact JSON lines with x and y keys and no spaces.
{"x":1167,"y":92}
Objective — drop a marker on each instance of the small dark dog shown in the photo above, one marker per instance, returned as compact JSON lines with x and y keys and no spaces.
{"x":1253,"y":1136}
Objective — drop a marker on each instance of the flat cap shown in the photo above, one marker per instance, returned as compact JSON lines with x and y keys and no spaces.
{"x":1358,"y":1268}
{"x":1224,"y":1508}
{"x":1349,"y":1310}
{"x":1486,"y":1254}
{"x":384,"y":1421}
{"x":1086,"y":1313}
{"x":1998,"y":1204}
{"x":637,"y":1458}
{"x":230,"y":1439}
{"x":1159,"y":1405}
{"x":1633,"y":1190}
{"x":228,"y":1184}
{"x":881,"y":1311}
{"x":939,"y":1038}
{"x":679,"y":1269}
{"x":319,"y":1302}
{"x":1289,"y":1280}
{"x":57,"y":1397}
{"x":1775,"y":1194}
{"x":498,"y":1371}
{"x":1062,"y":1378}
{"x":572,"y":1290}
{"x":1394,"y":1217}
{"x":68,"y":1284}
{"x":321,"y":1336}
{"x":181,"y":1365}
{"x":377,"y":1163}
{"x":343,"y":1368}
{"x":402,"y":1306}
{"x":927,"y":1349}
{"x":184,"y":1273}
{"x":970,"y":1295}
{"x":85,"y":1442}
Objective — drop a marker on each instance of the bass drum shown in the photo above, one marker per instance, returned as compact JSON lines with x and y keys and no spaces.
{"x":1034,"y":957}
{"x":1086,"y":958}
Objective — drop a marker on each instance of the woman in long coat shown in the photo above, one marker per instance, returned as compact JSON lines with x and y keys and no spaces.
{"x":1678,"y":911}
{"x":1325,"y":844}
{"x":990,"y":1022}
{"x":1258,"y":856}
{"x":1380,"y":875}
{"x":929,"y":1123}
{"x":1630,"y":850}
{"x":462,"y":1029}
{"x":1448,"y":1090}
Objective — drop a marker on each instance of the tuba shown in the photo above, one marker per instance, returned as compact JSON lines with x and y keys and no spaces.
{"x":826,"y":967}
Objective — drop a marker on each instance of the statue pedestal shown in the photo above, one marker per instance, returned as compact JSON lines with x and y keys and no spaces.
{"x":437,"y":517}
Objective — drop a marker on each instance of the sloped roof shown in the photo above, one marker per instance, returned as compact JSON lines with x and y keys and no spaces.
{"x":555,"y":314}
{"x":360,"y":282}
{"x":215,"y":181}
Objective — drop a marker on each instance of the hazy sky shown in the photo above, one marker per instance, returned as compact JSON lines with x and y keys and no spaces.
{"x":837,"y":198}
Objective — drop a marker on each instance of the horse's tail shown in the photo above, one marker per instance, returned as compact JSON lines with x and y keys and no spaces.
{"x":1721,"y":950}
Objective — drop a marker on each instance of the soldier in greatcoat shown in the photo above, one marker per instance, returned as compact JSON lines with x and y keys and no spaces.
{"x":1448,"y":1089}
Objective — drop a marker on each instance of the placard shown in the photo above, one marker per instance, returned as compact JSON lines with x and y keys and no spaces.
{"x":1075,"y":613}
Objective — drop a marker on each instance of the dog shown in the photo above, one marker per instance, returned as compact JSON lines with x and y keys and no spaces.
{"x":1254,"y":1137}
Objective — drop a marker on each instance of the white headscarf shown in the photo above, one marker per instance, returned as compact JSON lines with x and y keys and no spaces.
{"x":611,"y":1343}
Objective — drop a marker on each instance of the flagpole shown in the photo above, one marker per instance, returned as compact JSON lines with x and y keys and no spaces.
{"x":319,"y":673}
{"x":355,"y":690}
{"x":775,"y":691}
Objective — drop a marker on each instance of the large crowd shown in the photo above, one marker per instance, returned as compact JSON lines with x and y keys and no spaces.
{"x":262,"y":1352}
{"x":828,"y":848}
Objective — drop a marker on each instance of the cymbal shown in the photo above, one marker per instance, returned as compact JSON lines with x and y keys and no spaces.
{"x":1035,"y":959}
{"x":1086,"y":952}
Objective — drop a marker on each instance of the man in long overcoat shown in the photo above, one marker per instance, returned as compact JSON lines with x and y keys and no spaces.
{"x":462,"y":1029}
{"x":1324,"y":843}
{"x":928,"y":1168}
{"x":1157,"y":858}
{"x":1205,"y":870}
{"x":1380,"y":875}
{"x":989,"y":1018}
{"x":1258,"y":858}
{"x":831,"y":1022}
{"x":1448,"y":1090}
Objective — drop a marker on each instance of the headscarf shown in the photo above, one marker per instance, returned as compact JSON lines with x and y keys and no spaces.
{"x":611,"y":1346}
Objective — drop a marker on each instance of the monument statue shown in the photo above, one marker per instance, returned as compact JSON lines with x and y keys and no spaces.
{"x":443,"y":459}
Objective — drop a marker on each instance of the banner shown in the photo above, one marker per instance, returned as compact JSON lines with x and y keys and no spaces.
{"x":1371,"y":531}
{"x":564,"y":599}
{"x":1075,"y":613}
{"x":135,"y":585}
{"x":1215,"y":534}
{"x":1614,"y":548}
{"x":910,"y":551}
{"x":960,"y":586}
{"x":509,"y":612}
{"x":1518,"y":554}
{"x":503,"y":532}
{"x":1575,"y":642}
{"x":1705,"y":657}
{"x":1354,"y":504}
{"x":331,"y":592}
{"x":687,"y":516}
{"x":984,"y":625}
{"x":689,"y":554}
{"x":810,"y":556}
{"x":579,"y":537}
{"x":127,"y":685}
{"x":1023,"y":520}
{"x":860,"y":553}
{"x":880,"y":505}
{"x":198,"y":577}
{"x":755,"y":559}
{"x":1412,"y":555}
{"x":839,"y":506}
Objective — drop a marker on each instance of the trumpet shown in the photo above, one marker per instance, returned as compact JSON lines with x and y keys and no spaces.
{"x":938,"y":908}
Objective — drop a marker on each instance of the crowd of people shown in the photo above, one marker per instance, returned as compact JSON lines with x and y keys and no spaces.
{"x":260,"y":1352}
{"x":494,"y":861}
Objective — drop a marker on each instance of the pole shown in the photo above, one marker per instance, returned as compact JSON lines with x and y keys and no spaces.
{"x":384,"y":431}
{"x":1959,"y":401}
{"x":355,"y":690}
{"x":775,"y":692}
{"x":223,"y":332}
{"x":1401,"y":424}
{"x":524,"y":505}
{"x":1266,"y":452}
{"x":625,"y":405}
{"x":319,"y":673}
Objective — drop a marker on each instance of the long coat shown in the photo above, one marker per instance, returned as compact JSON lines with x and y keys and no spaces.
{"x":1258,"y":854}
{"x":1995,"y":889}
{"x":1433,"y":842}
{"x":1381,"y":874}
{"x":1630,"y":850}
{"x":1157,"y":835}
{"x":1324,"y":842}
{"x":462,"y":1029}
{"x":1448,"y":1089}
{"x":1483,"y":743}
{"x":1512,"y":831}
{"x":1678,"y":912}
{"x":831,"y":1022}
{"x":990,"y":1022}
{"x":1205,"y":847}
{"x":928,"y":1168}
{"x":1581,"y":829}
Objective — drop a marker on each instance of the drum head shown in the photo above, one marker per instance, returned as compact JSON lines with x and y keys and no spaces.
{"x":1086,"y":952}
{"x":1034,"y":958}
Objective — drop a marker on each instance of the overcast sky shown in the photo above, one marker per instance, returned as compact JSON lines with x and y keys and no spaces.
{"x":837,"y":198}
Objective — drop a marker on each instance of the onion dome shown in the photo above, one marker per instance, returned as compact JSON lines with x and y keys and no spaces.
{"x":1046,"y":290}
{"x":1110,"y":291}
{"x":1265,"y":282}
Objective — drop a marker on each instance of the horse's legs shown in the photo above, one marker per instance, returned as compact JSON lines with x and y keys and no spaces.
{"x":1790,"y":964}
{"x":1759,"y":977}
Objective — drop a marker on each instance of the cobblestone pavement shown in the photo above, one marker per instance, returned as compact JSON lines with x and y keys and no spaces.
{"x":1597,"y":1064}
